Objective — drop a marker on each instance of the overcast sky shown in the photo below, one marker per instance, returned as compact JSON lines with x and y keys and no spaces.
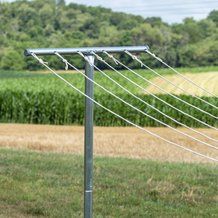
{"x":169,"y":10}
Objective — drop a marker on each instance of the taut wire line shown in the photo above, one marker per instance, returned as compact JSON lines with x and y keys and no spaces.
{"x":127,"y":103}
{"x":134,"y":57}
{"x":131,"y":81}
{"x":172,"y":95}
{"x":153,"y":95}
{"x":181,"y":75}
{"x":119,"y":116}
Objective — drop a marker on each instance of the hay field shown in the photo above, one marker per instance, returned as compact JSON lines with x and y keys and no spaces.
{"x":207,"y":80}
{"x":108,"y":141}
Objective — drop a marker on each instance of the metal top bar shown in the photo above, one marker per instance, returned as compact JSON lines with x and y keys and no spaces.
{"x":51,"y":51}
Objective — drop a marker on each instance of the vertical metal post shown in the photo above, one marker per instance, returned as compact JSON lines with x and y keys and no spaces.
{"x":88,"y":159}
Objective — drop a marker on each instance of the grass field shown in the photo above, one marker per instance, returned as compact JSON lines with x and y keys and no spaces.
{"x":44,"y":79}
{"x":50,"y":185}
{"x":41,"y":166}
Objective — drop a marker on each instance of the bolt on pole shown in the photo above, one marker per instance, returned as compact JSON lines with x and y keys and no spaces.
{"x":88,"y":150}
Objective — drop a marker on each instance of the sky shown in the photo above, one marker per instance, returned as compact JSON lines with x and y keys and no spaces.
{"x":171,"y":11}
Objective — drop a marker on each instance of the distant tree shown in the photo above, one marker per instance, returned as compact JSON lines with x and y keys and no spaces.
{"x":214,"y":16}
{"x":60,"y":2}
{"x":91,"y":28}
{"x":12,"y":60}
{"x":207,"y":28}
{"x":146,"y":34}
{"x":53,"y":23}
{"x":155,"y":21}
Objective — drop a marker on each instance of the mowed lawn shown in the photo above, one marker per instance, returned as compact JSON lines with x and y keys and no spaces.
{"x":51,"y":185}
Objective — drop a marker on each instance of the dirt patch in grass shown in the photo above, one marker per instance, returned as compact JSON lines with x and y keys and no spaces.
{"x":108,"y":141}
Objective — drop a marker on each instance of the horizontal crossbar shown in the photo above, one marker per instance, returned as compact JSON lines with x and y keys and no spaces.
{"x":86,"y":51}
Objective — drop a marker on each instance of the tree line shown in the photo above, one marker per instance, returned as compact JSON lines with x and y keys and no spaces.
{"x":50,"y":23}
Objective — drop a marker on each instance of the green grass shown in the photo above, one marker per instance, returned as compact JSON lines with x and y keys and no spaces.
{"x":6,"y":74}
{"x":51,"y":185}
{"x":33,"y":81}
{"x":36,"y":81}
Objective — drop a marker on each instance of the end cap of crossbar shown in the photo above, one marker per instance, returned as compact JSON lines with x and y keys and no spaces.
{"x":27,"y":52}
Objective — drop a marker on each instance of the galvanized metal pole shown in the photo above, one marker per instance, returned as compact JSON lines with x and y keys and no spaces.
{"x":89,"y":91}
{"x":88,"y":159}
